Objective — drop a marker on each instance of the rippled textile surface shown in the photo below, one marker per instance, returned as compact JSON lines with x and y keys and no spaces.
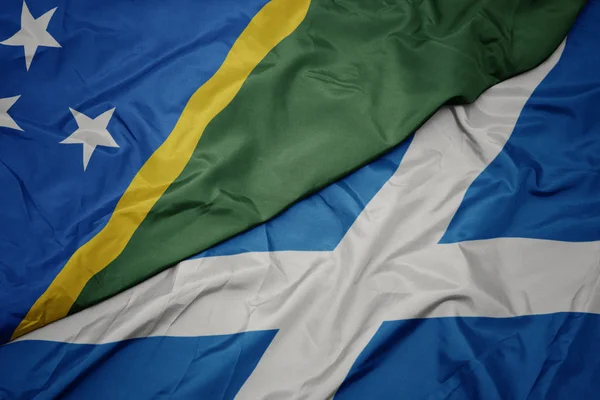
{"x":137,"y":134}
{"x":399,"y":281}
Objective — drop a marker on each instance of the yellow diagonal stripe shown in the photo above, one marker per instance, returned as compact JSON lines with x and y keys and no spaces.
{"x":271,"y":25}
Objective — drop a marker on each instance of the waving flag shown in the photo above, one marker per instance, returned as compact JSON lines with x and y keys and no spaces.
{"x":137,"y":134}
{"x":462,"y":264}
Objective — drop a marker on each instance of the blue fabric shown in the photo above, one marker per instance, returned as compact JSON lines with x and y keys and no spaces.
{"x":545,"y":183}
{"x":534,"y":357}
{"x":144,"y":58}
{"x":211,"y":367}
{"x":319,"y":222}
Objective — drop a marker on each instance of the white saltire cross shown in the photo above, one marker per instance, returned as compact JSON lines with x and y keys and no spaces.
{"x":328,"y":305}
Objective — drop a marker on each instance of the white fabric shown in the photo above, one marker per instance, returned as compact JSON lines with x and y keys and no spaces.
{"x":33,"y":34}
{"x":328,"y":305}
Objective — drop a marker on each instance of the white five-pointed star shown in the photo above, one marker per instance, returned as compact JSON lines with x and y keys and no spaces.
{"x":33,"y":34}
{"x":5,"y":119}
{"x":91,"y":133}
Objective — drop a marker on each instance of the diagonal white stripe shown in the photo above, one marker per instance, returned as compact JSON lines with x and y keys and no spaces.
{"x":328,"y":305}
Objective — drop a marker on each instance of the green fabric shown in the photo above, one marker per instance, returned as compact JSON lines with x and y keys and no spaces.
{"x":355,"y":79}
